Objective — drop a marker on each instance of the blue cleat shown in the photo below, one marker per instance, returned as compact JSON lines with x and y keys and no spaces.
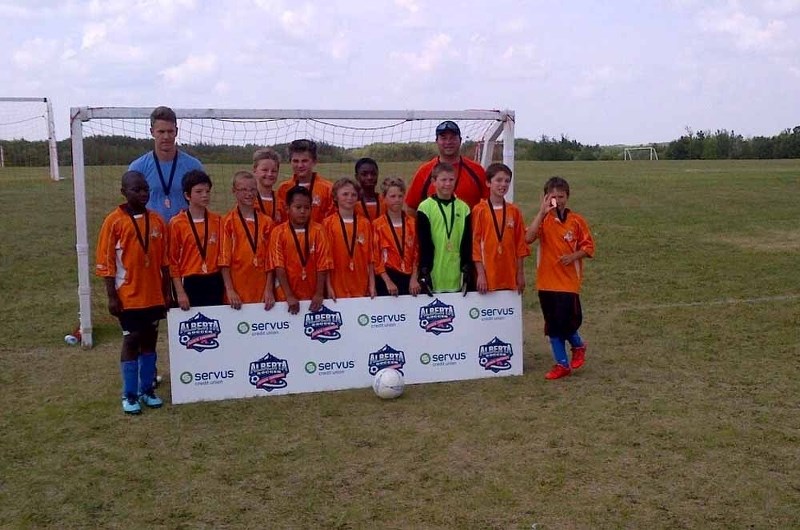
{"x":151,"y":400}
{"x":130,"y":405}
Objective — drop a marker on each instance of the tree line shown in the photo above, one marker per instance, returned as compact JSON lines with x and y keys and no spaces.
{"x":705,"y":145}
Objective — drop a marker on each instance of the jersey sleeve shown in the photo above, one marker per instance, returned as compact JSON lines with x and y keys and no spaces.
{"x":106,"y":254}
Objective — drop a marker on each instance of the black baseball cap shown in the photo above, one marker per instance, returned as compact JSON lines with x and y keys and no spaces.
{"x":448,"y":126}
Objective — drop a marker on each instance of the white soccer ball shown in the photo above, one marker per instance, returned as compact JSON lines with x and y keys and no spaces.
{"x":388,"y":383}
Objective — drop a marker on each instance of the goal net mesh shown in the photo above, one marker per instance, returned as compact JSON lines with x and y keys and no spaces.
{"x":226,"y":145}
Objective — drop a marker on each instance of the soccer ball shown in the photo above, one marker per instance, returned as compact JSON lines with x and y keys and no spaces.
{"x":388,"y":383}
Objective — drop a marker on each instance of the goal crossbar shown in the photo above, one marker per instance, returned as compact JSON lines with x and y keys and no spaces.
{"x":500,"y":128}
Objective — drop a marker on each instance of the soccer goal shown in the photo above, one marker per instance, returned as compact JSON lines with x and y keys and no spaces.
{"x":27,"y":135}
{"x":106,"y":139}
{"x":639,"y":153}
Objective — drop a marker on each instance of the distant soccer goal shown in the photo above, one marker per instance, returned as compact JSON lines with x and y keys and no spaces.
{"x":105,"y":140}
{"x":27,"y":135}
{"x":639,"y":153}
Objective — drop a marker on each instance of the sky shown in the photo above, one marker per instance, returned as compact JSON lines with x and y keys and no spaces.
{"x":623,"y":72}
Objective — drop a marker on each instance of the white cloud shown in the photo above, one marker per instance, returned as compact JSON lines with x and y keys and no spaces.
{"x":298,"y":23}
{"x":94,"y":34}
{"x":409,"y":5}
{"x":195,"y":66}
{"x":747,"y":31}
{"x":594,"y":80}
{"x":36,"y":53}
{"x":434,"y":51}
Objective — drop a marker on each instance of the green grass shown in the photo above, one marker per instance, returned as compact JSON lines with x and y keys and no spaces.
{"x":685,"y":415}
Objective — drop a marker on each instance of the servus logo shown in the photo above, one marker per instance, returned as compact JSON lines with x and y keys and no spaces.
{"x":269,"y":373}
{"x":386,"y":357}
{"x":199,"y":333}
{"x":323,"y":325}
{"x":437,"y":317}
{"x":495,"y":355}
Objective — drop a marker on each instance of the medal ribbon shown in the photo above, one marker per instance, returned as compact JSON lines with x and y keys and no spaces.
{"x":351,"y":246}
{"x":263,"y":208}
{"x":497,"y":230}
{"x":166,"y":186}
{"x":401,"y":247}
{"x":448,"y":229}
{"x":201,"y":248}
{"x":144,"y":241}
{"x":303,"y":257}
{"x":377,"y":208}
{"x":251,"y":238}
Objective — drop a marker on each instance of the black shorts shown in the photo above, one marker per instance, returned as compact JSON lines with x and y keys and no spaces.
{"x":400,"y":279}
{"x":204,"y":289}
{"x":132,"y":320}
{"x":562,"y":313}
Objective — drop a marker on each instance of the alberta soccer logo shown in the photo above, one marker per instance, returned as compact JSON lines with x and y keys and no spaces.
{"x":199,"y":333}
{"x":269,"y":373}
{"x":323,"y":325}
{"x":495,"y":355}
{"x":386,"y":357}
{"x":437,"y":317}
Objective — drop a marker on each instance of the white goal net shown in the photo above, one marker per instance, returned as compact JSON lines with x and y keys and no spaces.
{"x":105,"y":140}
{"x":27,"y":137}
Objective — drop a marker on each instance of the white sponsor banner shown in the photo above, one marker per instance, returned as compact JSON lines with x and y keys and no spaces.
{"x":221,"y":353}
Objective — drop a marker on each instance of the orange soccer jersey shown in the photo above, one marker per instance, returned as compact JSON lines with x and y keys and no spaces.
{"x":301,"y":253}
{"x":498,"y":241}
{"x":470,"y":183}
{"x":194,"y":251}
{"x":351,"y":250}
{"x":132,"y":250}
{"x":270,"y":206}
{"x":371,"y":210}
{"x":245,"y":249}
{"x":557,"y":238}
{"x":321,"y":197}
{"x":394,"y":246}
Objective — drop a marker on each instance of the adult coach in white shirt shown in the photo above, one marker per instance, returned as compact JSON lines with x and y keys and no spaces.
{"x":165,"y":166}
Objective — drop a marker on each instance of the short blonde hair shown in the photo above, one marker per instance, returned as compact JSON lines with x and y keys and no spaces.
{"x":266,"y":153}
{"x":341,"y":183}
{"x":393,"y":182}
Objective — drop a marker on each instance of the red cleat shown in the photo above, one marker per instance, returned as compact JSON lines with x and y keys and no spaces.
{"x":558,"y":372}
{"x":578,"y":356}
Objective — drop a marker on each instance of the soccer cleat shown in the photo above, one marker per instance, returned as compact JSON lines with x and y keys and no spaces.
{"x":130,"y":405}
{"x":578,"y":356}
{"x":557,"y":372}
{"x":151,"y":400}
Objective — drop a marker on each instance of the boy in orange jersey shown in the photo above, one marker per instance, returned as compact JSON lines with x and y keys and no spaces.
{"x":244,"y":257}
{"x":266,"y":165}
{"x":370,"y":204}
{"x":498,"y":236}
{"x":300,"y":254}
{"x":303,"y":158}
{"x":132,"y":259}
{"x":564,"y":241}
{"x":394,"y":243}
{"x":194,"y":243}
{"x":350,"y":239}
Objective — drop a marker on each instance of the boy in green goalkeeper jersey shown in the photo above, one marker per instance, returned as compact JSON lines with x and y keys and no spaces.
{"x":445,"y":236}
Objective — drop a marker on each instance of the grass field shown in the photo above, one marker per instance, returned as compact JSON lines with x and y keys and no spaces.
{"x":685,"y":416}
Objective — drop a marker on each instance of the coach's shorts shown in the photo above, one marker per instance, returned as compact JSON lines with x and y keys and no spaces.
{"x":562,"y":313}
{"x":204,"y":289}
{"x":132,"y":320}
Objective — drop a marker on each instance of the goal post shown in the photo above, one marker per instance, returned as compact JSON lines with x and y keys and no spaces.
{"x":106,"y":139}
{"x":29,"y":119}
{"x":633,"y":153}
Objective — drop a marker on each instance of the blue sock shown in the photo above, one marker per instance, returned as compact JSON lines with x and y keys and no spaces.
{"x":559,"y":351}
{"x":130,"y":377}
{"x":575,"y":340}
{"x":147,"y":372}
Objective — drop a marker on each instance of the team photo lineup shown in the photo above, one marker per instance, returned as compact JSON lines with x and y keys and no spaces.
{"x":308,"y":239}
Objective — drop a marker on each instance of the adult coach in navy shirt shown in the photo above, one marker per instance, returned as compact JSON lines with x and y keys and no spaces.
{"x":165,"y":166}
